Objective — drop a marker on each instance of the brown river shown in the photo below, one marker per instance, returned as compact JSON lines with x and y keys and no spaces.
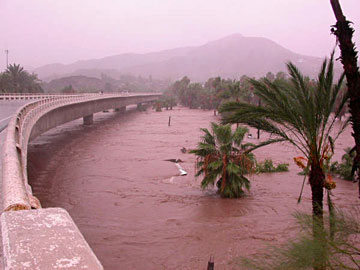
{"x":137,"y":212}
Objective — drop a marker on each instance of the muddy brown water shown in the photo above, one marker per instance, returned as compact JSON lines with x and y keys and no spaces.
{"x":137,"y":212}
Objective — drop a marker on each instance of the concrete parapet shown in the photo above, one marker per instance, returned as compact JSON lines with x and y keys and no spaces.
{"x":44,"y":239}
{"x":14,"y":193}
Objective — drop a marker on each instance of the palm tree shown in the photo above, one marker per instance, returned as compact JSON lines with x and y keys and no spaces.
{"x":344,"y":33}
{"x":223,"y":160}
{"x":17,"y":80}
{"x":299,"y":113}
{"x":16,"y":75}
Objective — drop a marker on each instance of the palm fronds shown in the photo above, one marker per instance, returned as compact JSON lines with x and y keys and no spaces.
{"x":223,"y":160}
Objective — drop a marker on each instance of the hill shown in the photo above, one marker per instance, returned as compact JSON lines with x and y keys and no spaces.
{"x":229,"y":57}
{"x":80,"y":83}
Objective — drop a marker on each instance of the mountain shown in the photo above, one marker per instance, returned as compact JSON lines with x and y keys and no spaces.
{"x":229,"y":57}
{"x":110,"y":64}
{"x":86,"y":84}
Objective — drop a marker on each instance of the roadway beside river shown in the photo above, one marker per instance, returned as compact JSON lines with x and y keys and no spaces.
{"x":8,"y":109}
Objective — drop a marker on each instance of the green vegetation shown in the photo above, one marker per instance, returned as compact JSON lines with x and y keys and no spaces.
{"x":268,"y":167}
{"x":210,"y":95}
{"x":166,"y":101}
{"x":17,"y":80}
{"x":299,"y":112}
{"x":224,"y":160}
{"x":338,"y":246}
{"x":95,"y":81}
{"x":344,"y":169}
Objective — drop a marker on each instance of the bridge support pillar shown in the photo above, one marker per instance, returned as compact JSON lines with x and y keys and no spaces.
{"x":140,"y":107}
{"x":89,"y":119}
{"x":121,"y":109}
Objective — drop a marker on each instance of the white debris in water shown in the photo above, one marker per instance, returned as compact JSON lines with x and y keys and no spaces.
{"x":182,"y":171}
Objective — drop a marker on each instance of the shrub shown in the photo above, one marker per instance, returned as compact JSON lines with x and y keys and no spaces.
{"x":267,"y":167}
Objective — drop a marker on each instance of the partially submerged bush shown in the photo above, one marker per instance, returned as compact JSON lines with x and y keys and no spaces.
{"x":267,"y":167}
{"x":344,"y":168}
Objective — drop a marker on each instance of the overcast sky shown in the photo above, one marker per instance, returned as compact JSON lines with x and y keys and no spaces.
{"x":39,"y":32}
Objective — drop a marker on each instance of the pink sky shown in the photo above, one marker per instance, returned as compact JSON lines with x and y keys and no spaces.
{"x":39,"y":32}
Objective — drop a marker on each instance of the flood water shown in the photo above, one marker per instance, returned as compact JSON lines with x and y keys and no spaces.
{"x":137,"y":212}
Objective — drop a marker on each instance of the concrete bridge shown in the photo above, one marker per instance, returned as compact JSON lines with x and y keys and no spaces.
{"x":33,"y":237}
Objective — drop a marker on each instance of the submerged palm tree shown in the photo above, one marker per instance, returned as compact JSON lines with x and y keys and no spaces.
{"x":300,"y":113}
{"x":223,"y":160}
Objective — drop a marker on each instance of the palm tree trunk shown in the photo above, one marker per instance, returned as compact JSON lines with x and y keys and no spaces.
{"x":344,"y":34}
{"x":316,"y":179}
{"x":224,"y":173}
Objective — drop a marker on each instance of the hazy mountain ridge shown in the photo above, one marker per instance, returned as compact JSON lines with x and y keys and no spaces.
{"x":229,"y":57}
{"x":82,"y":82}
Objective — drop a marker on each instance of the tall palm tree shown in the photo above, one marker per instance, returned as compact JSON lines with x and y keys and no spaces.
{"x":16,"y":76}
{"x":344,"y":33}
{"x":17,"y":80}
{"x":300,"y":113}
{"x":223,"y":160}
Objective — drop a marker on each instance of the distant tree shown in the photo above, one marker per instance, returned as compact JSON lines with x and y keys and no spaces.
{"x":270,"y":76}
{"x":280,"y":75}
{"x":16,"y":80}
{"x":192,"y":95}
{"x":16,"y":76}
{"x":5,"y":85}
{"x":32,"y":83}
{"x":108,"y":87}
{"x":68,"y":90}
{"x":180,"y":87}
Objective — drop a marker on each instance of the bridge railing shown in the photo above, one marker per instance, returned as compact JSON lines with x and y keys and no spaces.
{"x":17,"y":193}
{"x":25,"y":96}
{"x":45,"y":238}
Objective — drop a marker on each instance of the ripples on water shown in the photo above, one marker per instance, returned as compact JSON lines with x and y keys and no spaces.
{"x":137,"y":212}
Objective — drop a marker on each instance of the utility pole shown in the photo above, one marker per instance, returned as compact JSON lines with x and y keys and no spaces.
{"x":7,"y":58}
